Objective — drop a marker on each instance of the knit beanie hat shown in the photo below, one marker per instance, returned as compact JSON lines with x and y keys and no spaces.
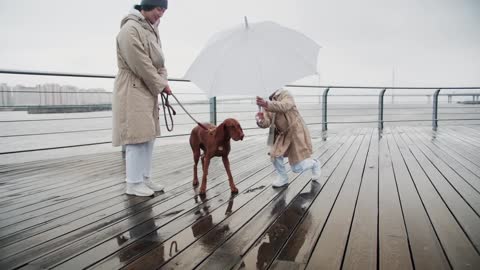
{"x":155,"y":3}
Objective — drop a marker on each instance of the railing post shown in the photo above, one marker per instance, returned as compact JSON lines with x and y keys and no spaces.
{"x":213,"y":110}
{"x":324,"y":109}
{"x":435,"y":110}
{"x":380,"y":109}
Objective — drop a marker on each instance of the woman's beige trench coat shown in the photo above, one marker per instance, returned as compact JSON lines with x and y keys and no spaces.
{"x":141,"y":78}
{"x":293,"y":138}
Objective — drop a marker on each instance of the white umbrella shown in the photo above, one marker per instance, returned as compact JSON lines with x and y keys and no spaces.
{"x":253,"y":59}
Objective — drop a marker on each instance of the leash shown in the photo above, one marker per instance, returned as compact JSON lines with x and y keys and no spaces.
{"x":167,"y":107}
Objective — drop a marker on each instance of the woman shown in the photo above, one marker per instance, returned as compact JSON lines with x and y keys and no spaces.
{"x":289,"y":137}
{"x":141,"y":77}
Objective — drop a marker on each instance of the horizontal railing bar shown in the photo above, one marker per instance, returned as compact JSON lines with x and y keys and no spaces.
{"x":396,"y":121}
{"x":387,"y":108}
{"x":63,"y":74}
{"x":379,"y":87}
{"x":464,"y":106}
{"x":55,"y":92}
{"x":55,"y":119}
{"x":81,"y":92}
{"x":387,"y":95}
{"x":108,"y":117}
{"x":53,"y":133}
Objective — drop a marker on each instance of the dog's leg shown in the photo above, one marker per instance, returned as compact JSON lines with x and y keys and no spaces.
{"x":226,"y":163}
{"x":196,"y":157}
{"x":206,"y":163}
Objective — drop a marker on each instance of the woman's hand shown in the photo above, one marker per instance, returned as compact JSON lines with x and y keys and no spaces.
{"x":167,"y":90}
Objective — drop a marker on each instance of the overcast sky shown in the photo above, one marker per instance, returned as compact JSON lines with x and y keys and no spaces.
{"x":425,"y":42}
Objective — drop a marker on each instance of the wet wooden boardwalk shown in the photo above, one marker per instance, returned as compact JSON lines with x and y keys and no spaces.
{"x":408,"y":199}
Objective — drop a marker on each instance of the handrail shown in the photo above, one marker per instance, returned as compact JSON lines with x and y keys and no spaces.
{"x":86,"y":75}
{"x":381,"y":87}
{"x":64,"y":74}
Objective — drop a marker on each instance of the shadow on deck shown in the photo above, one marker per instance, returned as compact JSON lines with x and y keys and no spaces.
{"x":409,"y":199}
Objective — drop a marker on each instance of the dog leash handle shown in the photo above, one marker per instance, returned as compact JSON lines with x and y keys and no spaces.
{"x":181,"y":106}
{"x":167,"y":107}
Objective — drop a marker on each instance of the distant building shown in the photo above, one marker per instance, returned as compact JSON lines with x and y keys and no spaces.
{"x":6,"y":96}
{"x":52,"y":94}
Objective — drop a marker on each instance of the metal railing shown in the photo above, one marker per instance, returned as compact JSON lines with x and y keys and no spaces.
{"x":213,"y":112}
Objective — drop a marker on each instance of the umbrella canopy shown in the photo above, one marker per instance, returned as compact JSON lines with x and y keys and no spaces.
{"x":253,"y":59}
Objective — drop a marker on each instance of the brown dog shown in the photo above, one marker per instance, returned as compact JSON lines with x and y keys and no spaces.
{"x":214,"y":141}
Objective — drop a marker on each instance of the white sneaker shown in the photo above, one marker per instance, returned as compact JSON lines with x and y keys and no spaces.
{"x":153,"y":186}
{"x":280,"y":182}
{"x":138,"y":189}
{"x":316,"y":171}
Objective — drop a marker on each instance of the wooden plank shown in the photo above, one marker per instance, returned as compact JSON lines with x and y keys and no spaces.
{"x":183,"y":238}
{"x":263,"y":247}
{"x":300,"y":244}
{"x":461,"y":168}
{"x":60,"y":180}
{"x":87,"y":198}
{"x":331,"y":245}
{"x":146,"y":259}
{"x":26,"y":207}
{"x":457,"y":147}
{"x":24,"y":170}
{"x":82,"y":166}
{"x":456,"y":154}
{"x":270,"y":211}
{"x":430,"y":168}
{"x":447,"y":170}
{"x":470,"y":131}
{"x":433,"y":181}
{"x":393,"y":244}
{"x":88,"y":204}
{"x":20,"y":183}
{"x":84,"y":233}
{"x":234,"y":249}
{"x":142,"y":238}
{"x":52,"y":198}
{"x":466,"y":137}
{"x":362,"y":247}
{"x":198,"y":250}
{"x":469,"y":134}
{"x":425,"y":248}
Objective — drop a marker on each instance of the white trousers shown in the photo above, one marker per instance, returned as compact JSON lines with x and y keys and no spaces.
{"x":299,"y":167}
{"x":138,"y":159}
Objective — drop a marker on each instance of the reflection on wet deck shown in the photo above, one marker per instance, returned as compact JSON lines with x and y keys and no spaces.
{"x":405,"y":199}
